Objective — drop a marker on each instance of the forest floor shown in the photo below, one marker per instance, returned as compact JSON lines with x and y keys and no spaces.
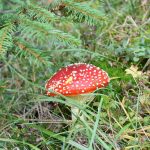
{"x":117,"y":118}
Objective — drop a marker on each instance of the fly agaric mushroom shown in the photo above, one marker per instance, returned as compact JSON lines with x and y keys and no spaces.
{"x":76,"y":81}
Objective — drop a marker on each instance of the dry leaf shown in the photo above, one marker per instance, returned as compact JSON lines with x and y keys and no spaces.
{"x":133,"y":70}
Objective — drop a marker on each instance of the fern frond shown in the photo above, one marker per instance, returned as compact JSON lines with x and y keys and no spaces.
{"x":6,"y":37}
{"x":43,"y":32}
{"x":83,"y":12}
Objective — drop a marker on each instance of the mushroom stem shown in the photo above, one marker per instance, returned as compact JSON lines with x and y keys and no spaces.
{"x":75,"y":113}
{"x":81,"y":99}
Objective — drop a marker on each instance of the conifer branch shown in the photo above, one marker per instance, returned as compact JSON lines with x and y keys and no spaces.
{"x":6,"y":37}
{"x":41,"y":14}
{"x":31,"y":53}
{"x":34,"y":24}
{"x":83,"y":12}
{"x":42,"y":32}
{"x":55,"y":4}
{"x":7,"y":11}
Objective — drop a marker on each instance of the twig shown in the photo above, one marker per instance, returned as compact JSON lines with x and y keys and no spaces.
{"x":6,"y":11}
{"x":146,"y":65}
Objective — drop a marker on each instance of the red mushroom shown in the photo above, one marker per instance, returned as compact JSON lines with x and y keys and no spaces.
{"x":76,"y":80}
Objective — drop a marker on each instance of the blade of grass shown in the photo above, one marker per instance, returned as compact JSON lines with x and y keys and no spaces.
{"x":122,"y":131}
{"x":98,"y":138}
{"x":96,"y":125}
{"x":58,"y":137}
{"x":20,"y":142}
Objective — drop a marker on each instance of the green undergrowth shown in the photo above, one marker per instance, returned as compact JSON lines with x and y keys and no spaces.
{"x":117,"y":74}
{"x":39,"y":37}
{"x":117,"y":104}
{"x":30,"y":117}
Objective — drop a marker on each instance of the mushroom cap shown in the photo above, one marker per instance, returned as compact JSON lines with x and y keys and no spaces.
{"x":75,"y":79}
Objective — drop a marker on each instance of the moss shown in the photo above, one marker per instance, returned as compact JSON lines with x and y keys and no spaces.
{"x":117,"y":73}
